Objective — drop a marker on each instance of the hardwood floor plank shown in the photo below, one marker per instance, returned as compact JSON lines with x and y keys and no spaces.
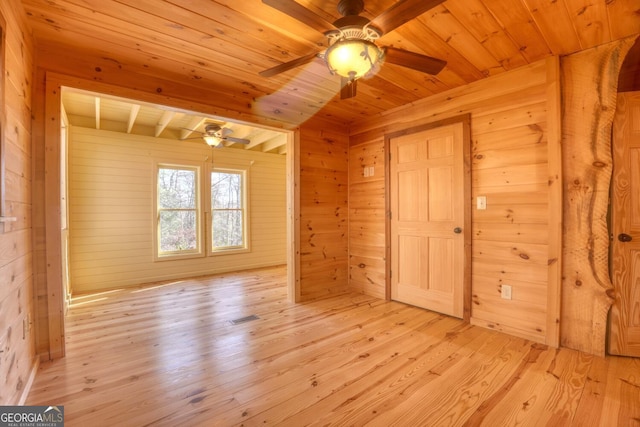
{"x":520,"y":399}
{"x":626,"y":387}
{"x":377,"y":347}
{"x":457,"y":388}
{"x":382,"y":388}
{"x":167,"y":354}
{"x":294,"y":378}
{"x":570,"y":371}
{"x":591,"y":403}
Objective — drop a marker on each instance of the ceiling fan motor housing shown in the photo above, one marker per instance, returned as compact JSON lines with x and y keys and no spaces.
{"x":353,"y":27}
{"x":212,"y":129}
{"x":350,"y":7}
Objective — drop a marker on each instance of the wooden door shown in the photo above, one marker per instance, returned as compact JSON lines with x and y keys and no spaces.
{"x":428,"y":220}
{"x":624,"y":322}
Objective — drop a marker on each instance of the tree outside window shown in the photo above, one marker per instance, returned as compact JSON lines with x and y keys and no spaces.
{"x":177,"y":210}
{"x":227,"y":209}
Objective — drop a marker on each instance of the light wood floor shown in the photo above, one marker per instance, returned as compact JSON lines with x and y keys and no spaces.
{"x":169,"y":356}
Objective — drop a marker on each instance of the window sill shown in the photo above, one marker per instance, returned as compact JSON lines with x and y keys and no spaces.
{"x":177,"y":257}
{"x":233,"y":251}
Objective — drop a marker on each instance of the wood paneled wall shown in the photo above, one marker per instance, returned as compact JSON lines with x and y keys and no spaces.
{"x":323,"y":212}
{"x":515,"y":164}
{"x":17,"y":300}
{"x":111,"y":185}
{"x":367,"y":228}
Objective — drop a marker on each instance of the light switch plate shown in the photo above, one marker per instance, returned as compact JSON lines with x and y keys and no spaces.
{"x":505,"y":291}
{"x":481,"y":202}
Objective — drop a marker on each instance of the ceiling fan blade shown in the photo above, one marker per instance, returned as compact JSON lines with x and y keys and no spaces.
{"x":191,"y":130}
{"x":415,"y":61}
{"x":402,"y":12}
{"x":238,"y":140}
{"x":184,"y":136}
{"x":348,"y":89}
{"x":301,"y":13}
{"x":288,"y":65}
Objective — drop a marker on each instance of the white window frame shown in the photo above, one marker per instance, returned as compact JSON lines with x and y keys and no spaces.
{"x":190,"y":253}
{"x":246,"y":247}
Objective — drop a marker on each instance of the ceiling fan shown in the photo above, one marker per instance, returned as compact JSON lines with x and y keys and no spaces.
{"x":214,"y":135}
{"x":352,"y":52}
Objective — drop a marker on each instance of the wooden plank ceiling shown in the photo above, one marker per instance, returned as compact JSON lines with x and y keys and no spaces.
{"x":222,"y":45}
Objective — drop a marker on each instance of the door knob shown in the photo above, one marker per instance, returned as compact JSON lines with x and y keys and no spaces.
{"x":623,"y":237}
{"x":457,"y":230}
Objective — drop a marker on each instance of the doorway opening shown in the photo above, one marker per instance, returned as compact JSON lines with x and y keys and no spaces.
{"x":130,"y":122}
{"x":147,"y":199}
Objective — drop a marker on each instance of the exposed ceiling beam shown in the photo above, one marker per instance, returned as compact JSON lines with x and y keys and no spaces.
{"x":136,"y":118}
{"x":239,"y":131}
{"x":164,"y":121}
{"x":259,"y":138}
{"x":133,"y":113}
{"x":193,"y":124}
{"x":276,"y":142}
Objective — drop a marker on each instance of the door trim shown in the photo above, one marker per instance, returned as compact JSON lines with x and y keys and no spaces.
{"x":465,"y":120}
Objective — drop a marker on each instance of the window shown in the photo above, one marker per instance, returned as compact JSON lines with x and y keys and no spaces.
{"x":178,"y":211}
{"x":181,"y":216}
{"x":228,"y":210}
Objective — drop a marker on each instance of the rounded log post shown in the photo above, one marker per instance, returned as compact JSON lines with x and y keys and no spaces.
{"x":589,"y":90}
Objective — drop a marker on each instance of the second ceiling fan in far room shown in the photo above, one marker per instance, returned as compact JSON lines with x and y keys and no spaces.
{"x":352,"y":51}
{"x":214,"y":135}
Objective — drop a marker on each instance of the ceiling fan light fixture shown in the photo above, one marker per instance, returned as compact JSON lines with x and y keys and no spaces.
{"x":212,"y":141}
{"x":353,"y":58}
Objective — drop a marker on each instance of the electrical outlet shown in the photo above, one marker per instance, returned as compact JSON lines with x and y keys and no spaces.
{"x":505,"y":291}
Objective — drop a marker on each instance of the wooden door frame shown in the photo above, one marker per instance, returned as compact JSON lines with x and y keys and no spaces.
{"x":49,"y":134}
{"x":465,"y":120}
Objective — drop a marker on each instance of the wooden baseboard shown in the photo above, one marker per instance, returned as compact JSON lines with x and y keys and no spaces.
{"x":32,"y":377}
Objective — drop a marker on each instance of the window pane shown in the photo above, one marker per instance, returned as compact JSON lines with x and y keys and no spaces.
{"x":177,"y":231}
{"x":176,"y":188}
{"x":227,"y":228}
{"x":226,"y":190}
